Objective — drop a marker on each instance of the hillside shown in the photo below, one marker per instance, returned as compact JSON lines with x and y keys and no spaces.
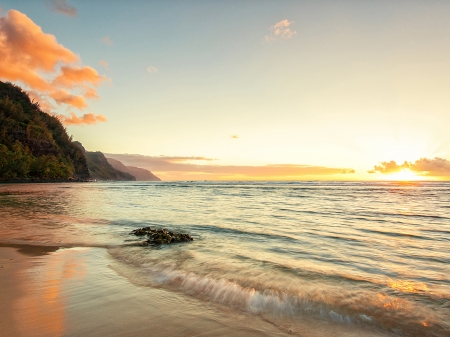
{"x":99,"y":167}
{"x":140,"y":173}
{"x":33,"y":144}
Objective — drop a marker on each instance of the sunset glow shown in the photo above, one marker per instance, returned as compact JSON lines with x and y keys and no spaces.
{"x":291,"y":84}
{"x":404,"y":175}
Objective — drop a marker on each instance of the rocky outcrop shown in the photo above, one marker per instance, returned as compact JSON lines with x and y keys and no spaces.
{"x":160,"y":236}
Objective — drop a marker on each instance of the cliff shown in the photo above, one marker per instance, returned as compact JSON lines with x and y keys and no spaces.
{"x":99,"y":167}
{"x":33,"y":144}
{"x":140,"y":173}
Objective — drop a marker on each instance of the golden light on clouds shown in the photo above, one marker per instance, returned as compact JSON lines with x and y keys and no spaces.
{"x":188,"y":168}
{"x":47,"y":68}
{"x":86,"y":119}
{"x":281,"y":31}
{"x":404,"y":175}
{"x":421,"y":169}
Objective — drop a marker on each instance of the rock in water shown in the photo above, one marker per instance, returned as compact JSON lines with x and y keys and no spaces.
{"x":161,"y":236}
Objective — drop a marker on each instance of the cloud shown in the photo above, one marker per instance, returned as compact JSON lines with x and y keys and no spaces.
{"x":152,"y":69}
{"x":71,"y":77}
{"x":47,"y":68}
{"x":185,"y":168}
{"x":104,"y":64}
{"x":388,"y":167}
{"x":62,"y":7}
{"x":437,"y":167}
{"x":235,"y":136}
{"x":64,"y":97}
{"x":281,"y":31}
{"x":107,"y":41}
{"x":86,"y":119}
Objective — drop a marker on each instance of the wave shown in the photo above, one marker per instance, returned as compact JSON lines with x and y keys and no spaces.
{"x":361,"y":305}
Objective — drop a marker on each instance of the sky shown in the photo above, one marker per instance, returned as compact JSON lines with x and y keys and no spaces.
{"x":285,"y":90}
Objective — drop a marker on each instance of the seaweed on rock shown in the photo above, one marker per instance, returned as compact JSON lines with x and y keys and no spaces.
{"x":160,"y":236}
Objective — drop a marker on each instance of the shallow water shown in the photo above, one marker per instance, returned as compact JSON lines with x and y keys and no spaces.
{"x":359,"y":255}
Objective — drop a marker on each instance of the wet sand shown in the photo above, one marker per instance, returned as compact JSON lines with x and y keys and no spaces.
{"x":51,"y":291}
{"x":73,"y":292}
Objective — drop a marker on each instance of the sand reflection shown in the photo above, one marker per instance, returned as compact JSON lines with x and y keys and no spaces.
{"x":41,"y":310}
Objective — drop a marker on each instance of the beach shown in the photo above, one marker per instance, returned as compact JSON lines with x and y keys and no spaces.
{"x":70,"y":292}
{"x":267,"y":259}
{"x":48,"y":291}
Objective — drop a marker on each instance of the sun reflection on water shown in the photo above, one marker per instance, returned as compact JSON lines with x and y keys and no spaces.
{"x":407,"y":286}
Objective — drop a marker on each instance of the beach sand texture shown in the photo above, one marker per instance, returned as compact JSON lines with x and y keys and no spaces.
{"x":47,"y":291}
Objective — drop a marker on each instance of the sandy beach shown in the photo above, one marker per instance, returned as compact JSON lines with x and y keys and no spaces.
{"x":51,"y":291}
{"x":69,"y":292}
{"x":72,"y":267}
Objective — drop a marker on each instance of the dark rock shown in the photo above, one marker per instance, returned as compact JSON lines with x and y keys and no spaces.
{"x":160,"y":236}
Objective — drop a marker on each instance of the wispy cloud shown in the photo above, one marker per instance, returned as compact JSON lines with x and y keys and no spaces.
{"x":86,"y":119}
{"x":235,"y":136}
{"x":152,"y":69}
{"x":104,"y":64}
{"x":186,"y":168}
{"x":62,"y":7}
{"x":437,"y":167}
{"x":107,"y":41}
{"x":281,"y":31}
{"x":26,"y":52}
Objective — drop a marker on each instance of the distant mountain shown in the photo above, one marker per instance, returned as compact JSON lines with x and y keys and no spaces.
{"x":33,"y":144}
{"x":140,"y":173}
{"x":100,"y":169}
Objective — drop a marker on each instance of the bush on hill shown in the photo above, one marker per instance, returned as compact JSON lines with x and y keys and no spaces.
{"x":34,"y":144}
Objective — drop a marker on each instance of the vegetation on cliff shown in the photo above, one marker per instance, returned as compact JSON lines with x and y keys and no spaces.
{"x":34,"y":144}
{"x":99,"y":167}
{"x":139,"y":173}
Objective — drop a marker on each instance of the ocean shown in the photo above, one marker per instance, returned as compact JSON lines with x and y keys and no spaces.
{"x":350,"y":255}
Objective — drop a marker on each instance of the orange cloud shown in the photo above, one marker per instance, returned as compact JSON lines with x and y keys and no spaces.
{"x":91,"y":93}
{"x":388,"y":167}
{"x":181,"y":168}
{"x":25,"y":46}
{"x":281,"y":31}
{"x":64,"y":97}
{"x":62,"y":7}
{"x":75,"y":76}
{"x":86,"y":119}
{"x":235,"y":136}
{"x":437,"y":167}
{"x":26,"y":52}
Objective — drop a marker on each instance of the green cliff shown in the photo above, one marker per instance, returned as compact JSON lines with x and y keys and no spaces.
{"x":139,"y":173}
{"x":99,"y":167}
{"x":33,"y":144}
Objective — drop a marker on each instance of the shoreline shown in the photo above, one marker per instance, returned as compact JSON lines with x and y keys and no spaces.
{"x":79,"y":291}
{"x":47,"y":291}
{"x":43,"y":181}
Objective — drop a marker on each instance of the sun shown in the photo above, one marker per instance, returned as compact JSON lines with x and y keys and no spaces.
{"x":404,"y":175}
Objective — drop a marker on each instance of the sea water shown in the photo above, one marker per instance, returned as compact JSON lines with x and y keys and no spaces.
{"x":354,"y":254}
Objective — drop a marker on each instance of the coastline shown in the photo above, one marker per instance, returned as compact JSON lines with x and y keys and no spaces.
{"x":51,"y":291}
{"x":43,"y":181}
{"x":48,"y":291}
